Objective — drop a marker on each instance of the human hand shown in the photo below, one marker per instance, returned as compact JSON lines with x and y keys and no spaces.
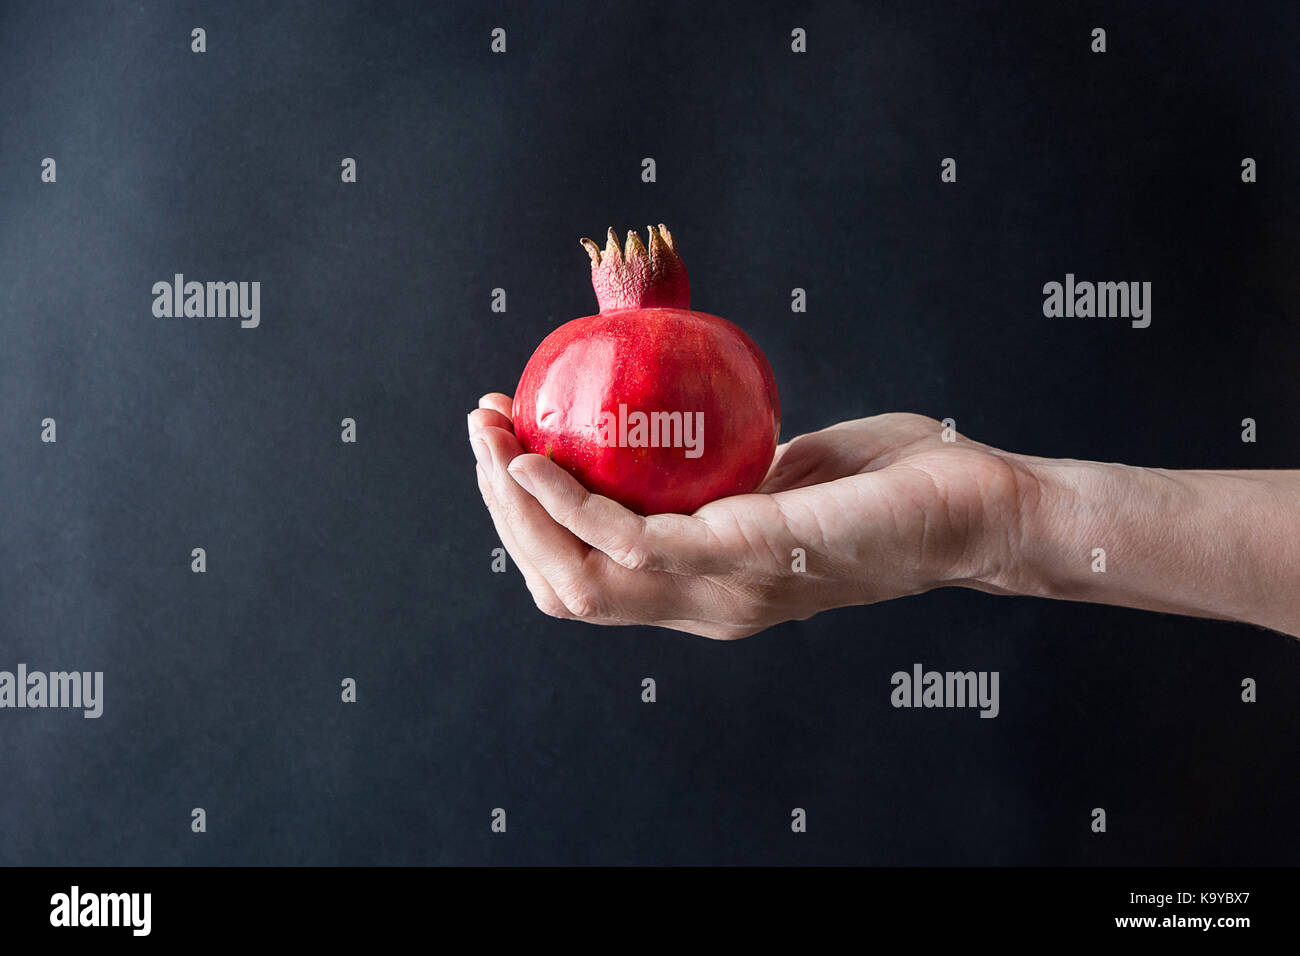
{"x":881,"y":507}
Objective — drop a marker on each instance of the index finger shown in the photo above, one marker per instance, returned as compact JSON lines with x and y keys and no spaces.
{"x":498,"y":402}
{"x":678,"y":544}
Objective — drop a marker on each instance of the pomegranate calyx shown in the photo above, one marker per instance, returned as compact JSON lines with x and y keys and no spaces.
{"x":637,"y":277}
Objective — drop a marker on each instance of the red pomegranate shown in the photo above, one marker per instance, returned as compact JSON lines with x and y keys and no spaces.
{"x":660,"y":408}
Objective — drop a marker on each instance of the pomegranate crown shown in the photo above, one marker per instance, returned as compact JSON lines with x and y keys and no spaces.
{"x":637,"y":277}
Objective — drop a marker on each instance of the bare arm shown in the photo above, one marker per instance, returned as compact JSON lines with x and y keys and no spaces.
{"x":882,"y":507}
{"x":1221,"y":544}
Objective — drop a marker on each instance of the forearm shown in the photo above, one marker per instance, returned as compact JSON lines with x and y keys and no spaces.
{"x":1216,"y":544}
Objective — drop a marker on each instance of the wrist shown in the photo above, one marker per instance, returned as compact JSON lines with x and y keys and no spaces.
{"x":999,"y":536}
{"x":1061,"y":521}
{"x":1059,"y":515}
{"x":1209,"y":544}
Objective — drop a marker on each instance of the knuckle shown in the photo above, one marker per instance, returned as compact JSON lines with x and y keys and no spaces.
{"x":569,"y":512}
{"x":552,"y":607}
{"x":635,"y":551}
{"x":634,"y":558}
{"x":582,"y":601}
{"x":548,"y":603}
{"x":575,"y":514}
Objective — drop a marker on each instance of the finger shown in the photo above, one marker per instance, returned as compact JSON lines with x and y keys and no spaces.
{"x":818,"y":457}
{"x":678,"y":544}
{"x":544,"y":596}
{"x":591,"y":585}
{"x":498,"y":402}
{"x":548,"y":545}
{"x":557,"y":555}
{"x":487,"y":418}
{"x":781,"y":449}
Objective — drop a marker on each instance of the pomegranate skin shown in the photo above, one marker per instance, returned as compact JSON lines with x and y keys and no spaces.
{"x":656,"y":361}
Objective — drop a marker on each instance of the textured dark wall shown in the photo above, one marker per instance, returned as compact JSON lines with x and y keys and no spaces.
{"x":371,"y":560}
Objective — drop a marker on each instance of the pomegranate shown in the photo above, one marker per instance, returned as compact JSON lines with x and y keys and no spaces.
{"x":658,"y":407}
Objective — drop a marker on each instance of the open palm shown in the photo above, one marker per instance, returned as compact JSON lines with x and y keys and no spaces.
{"x":858,"y":512}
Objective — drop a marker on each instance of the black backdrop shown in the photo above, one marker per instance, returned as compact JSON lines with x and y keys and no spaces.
{"x":372,"y":561}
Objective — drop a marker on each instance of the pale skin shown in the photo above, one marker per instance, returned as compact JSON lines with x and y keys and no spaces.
{"x":884,"y":507}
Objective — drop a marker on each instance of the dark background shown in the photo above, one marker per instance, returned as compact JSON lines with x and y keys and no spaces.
{"x":372,"y":560}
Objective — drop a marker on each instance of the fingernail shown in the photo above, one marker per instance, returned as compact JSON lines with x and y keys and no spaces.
{"x":521,"y":477}
{"x":482,"y":454}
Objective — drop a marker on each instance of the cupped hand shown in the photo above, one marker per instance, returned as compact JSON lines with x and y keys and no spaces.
{"x":859,"y":512}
